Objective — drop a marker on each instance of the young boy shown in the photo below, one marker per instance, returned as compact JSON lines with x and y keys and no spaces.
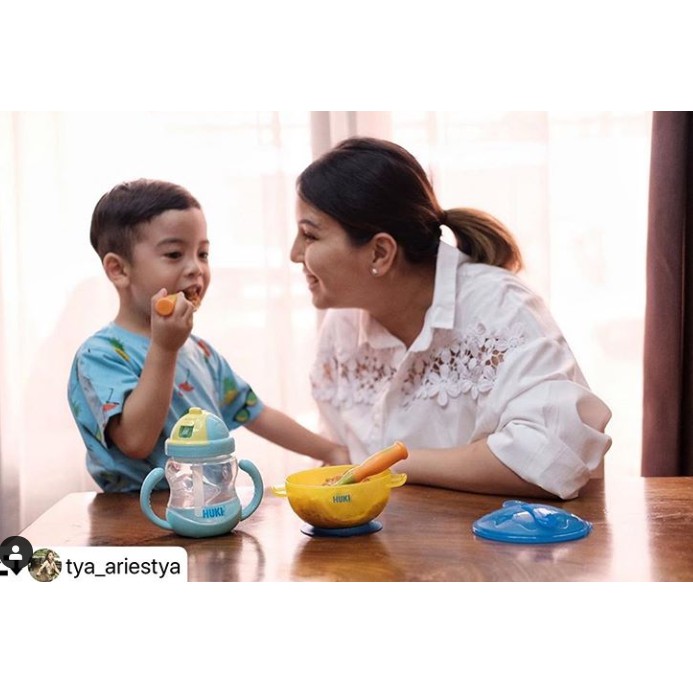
{"x":132,"y":380}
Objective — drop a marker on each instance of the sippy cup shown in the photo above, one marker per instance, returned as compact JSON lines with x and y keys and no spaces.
{"x":201,"y":471}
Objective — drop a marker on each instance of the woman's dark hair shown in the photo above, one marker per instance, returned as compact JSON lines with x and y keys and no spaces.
{"x":115,"y":220}
{"x":371,"y":186}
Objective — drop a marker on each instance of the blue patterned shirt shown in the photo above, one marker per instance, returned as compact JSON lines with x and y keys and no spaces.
{"x":107,"y":368}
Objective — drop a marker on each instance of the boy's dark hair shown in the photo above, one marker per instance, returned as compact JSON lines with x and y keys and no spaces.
{"x":118,"y":214}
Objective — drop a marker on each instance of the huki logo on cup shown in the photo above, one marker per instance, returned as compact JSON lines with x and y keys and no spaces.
{"x":15,"y":553}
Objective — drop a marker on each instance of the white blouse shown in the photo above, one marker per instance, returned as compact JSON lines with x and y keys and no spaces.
{"x":489,"y":362}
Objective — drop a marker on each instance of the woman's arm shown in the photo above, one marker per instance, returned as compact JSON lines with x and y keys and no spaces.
{"x":282,"y":430}
{"x":471,"y":468}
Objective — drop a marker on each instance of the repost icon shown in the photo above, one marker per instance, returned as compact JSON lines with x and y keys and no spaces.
{"x":15,"y":553}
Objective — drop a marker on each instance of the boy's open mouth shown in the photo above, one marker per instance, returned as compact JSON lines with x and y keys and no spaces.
{"x":194,"y":295}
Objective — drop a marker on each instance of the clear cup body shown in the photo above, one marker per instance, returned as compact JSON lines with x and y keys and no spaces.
{"x":201,"y":483}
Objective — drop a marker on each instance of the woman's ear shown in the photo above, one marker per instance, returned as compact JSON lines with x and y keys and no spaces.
{"x":117,"y":270}
{"x":383,"y":253}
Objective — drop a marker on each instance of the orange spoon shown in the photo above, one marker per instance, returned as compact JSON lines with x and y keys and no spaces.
{"x":376,"y":463}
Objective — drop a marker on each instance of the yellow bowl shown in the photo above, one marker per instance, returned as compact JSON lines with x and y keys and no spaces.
{"x":332,"y":507}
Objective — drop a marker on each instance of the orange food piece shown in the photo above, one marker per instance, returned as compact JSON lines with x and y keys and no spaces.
{"x":164,"y":306}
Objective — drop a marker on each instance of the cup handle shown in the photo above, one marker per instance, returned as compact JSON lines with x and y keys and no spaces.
{"x":152,"y":479}
{"x":251,"y":470}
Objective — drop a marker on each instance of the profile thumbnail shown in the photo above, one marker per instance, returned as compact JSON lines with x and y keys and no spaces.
{"x":45,"y":565}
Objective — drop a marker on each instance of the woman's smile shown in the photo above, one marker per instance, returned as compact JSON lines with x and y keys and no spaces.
{"x":311,"y":279}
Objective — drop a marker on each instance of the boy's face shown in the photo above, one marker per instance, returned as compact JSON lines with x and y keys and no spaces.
{"x":172,"y":254}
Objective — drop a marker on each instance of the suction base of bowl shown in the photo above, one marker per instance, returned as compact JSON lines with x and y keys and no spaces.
{"x":367,"y":528}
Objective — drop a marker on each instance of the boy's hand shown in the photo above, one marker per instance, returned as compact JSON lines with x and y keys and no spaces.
{"x":170,"y":333}
{"x":339,"y":454}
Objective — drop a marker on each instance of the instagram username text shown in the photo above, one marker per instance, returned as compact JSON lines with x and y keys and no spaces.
{"x":152,"y":567}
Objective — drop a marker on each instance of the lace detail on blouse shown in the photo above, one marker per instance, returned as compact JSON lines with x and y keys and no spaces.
{"x":454,"y":364}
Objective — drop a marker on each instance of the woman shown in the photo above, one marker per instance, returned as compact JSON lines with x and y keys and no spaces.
{"x":443,"y":348}
{"x":48,"y":567}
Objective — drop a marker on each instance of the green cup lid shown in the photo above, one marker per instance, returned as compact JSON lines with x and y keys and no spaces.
{"x":199,"y":434}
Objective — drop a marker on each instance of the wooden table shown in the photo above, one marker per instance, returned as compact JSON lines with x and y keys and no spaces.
{"x":642,"y":531}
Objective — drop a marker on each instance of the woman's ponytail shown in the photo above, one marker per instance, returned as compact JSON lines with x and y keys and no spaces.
{"x":483,"y":238}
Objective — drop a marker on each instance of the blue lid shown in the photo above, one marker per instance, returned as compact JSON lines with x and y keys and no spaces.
{"x":530,"y":523}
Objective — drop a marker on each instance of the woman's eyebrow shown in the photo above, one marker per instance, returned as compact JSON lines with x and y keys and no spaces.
{"x":308,"y":222}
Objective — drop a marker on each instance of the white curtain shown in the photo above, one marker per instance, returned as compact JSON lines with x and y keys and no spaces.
{"x":572,"y":186}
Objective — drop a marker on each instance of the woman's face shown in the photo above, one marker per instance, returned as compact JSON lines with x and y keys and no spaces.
{"x":338,"y":273}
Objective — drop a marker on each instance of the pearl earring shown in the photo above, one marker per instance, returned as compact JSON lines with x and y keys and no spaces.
{"x":374,"y":271}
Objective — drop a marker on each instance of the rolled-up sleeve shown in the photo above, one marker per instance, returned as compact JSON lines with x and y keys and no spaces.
{"x":549,"y":425}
